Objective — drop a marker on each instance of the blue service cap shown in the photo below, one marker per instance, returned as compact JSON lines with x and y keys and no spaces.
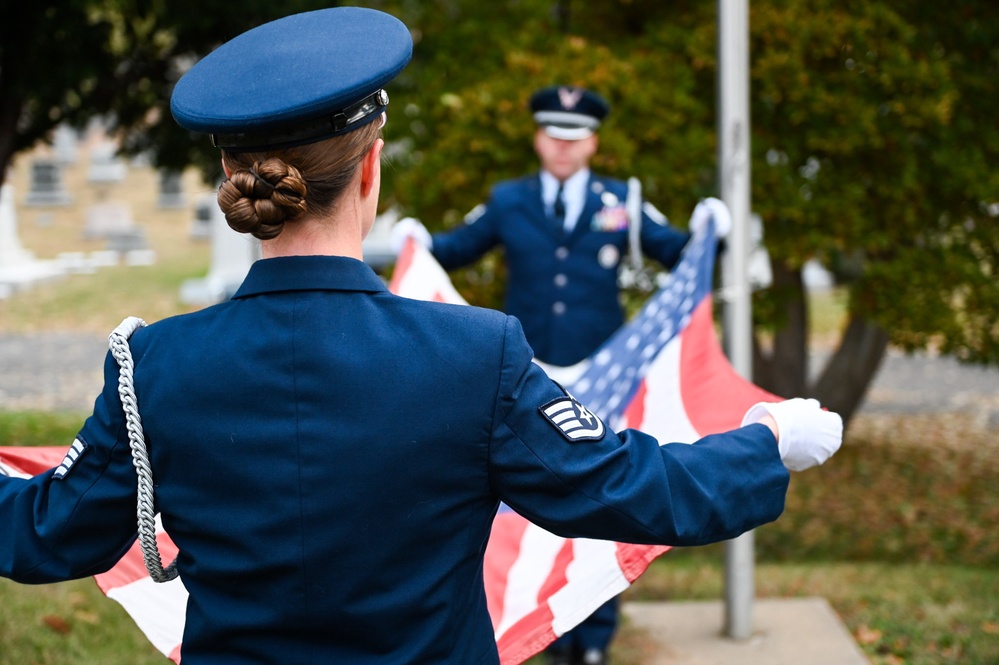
{"x":567,"y":112}
{"x":299,"y":79}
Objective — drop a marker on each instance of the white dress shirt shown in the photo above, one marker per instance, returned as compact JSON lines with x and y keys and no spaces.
{"x":573,"y":195}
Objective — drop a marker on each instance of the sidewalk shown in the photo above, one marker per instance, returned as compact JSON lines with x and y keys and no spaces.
{"x":793,"y":631}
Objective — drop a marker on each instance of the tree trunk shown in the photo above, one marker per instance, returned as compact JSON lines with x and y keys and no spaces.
{"x":10,"y":113}
{"x":851,"y":368}
{"x":563,"y":14}
{"x":785,"y":371}
{"x":8,"y":128}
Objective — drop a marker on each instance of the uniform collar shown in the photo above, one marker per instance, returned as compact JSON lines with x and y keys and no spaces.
{"x":309,"y":273}
{"x":573,"y":194}
{"x":575,"y":186}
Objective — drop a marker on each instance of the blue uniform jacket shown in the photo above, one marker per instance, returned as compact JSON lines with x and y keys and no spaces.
{"x":562,"y":286}
{"x":329,"y":457}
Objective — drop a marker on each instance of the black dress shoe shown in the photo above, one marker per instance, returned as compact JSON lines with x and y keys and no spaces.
{"x":559,"y":657}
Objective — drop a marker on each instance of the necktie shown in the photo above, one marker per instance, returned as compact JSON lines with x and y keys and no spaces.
{"x":559,"y":209}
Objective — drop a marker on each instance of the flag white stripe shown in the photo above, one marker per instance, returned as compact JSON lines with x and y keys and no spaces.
{"x":538,"y":549}
{"x":593,"y":577}
{"x":158,"y":610}
{"x":664,"y":410}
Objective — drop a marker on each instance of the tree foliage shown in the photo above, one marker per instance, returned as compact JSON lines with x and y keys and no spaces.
{"x":871,"y":145}
{"x":73,"y":60}
{"x":874,"y":141}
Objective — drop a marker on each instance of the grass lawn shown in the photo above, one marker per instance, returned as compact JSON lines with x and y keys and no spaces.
{"x":898,"y":531}
{"x":897,"y":536}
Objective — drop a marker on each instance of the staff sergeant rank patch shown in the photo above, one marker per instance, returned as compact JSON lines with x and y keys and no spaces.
{"x":74,"y":453}
{"x":573,"y":420}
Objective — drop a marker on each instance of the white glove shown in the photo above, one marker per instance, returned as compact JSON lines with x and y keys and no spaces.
{"x":806,"y":435}
{"x":409,"y":227}
{"x":705,"y":210}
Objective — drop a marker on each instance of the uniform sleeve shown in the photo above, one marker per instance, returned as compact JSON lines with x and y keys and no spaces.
{"x":79,"y":519}
{"x":626,"y":487}
{"x":661,"y":241}
{"x":468,"y":243}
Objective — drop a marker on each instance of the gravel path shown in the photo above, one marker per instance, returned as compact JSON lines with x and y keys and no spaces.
{"x":51,"y":371}
{"x":63,"y":371}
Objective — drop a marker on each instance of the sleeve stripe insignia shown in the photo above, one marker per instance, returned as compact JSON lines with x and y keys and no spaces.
{"x":72,"y":455}
{"x":573,"y":420}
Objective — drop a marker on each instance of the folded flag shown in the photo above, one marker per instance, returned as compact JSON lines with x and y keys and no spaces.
{"x":664,"y":373}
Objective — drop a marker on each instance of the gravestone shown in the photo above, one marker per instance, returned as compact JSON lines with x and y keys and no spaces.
{"x":103,"y":258}
{"x":133,"y":246}
{"x":46,"y":188}
{"x":127,"y":240}
{"x":105,"y":166}
{"x":232,"y":255}
{"x":12,"y":253}
{"x":18,"y":266}
{"x":112,"y":222}
{"x":75,"y":263}
{"x":171,"y":194}
{"x":64,"y":144}
{"x":201,"y":223}
{"x":103,"y":220}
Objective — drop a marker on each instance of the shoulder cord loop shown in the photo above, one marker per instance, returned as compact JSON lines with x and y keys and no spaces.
{"x":118,"y":343}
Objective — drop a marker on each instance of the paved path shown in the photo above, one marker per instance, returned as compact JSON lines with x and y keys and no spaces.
{"x":51,"y":371}
{"x":792,"y":631}
{"x":926,"y":384}
{"x":64,"y":371}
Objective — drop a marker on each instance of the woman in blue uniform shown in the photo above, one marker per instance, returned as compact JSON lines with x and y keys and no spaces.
{"x":328,"y":457}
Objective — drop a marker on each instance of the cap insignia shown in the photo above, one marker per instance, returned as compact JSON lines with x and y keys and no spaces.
{"x":569,"y":97}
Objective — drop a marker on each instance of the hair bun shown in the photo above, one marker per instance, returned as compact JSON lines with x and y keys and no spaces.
{"x":260,"y":199}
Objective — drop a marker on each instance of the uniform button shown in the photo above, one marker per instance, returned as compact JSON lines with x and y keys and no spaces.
{"x":561,"y":280}
{"x":562,"y":253}
{"x":558,"y":308}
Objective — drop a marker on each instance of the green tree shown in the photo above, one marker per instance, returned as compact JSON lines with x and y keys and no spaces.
{"x":864,"y":158}
{"x":72,"y":60}
{"x":50,"y":60}
{"x":874,"y":151}
{"x":874,"y":141}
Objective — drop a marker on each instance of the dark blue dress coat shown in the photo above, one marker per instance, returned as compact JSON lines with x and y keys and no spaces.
{"x":329,"y":458}
{"x":562,"y":286}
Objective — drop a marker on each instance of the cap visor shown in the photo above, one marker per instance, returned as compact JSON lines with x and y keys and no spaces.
{"x":568,"y":133}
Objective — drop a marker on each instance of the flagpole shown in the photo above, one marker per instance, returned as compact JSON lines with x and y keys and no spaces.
{"x":733,"y":174}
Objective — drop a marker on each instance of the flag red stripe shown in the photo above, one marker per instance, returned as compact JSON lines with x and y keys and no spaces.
{"x":634,"y":413}
{"x":557,"y":575}
{"x":634,"y":559}
{"x":503,"y":550}
{"x":714,"y":395}
{"x":131,"y":567}
{"x":527,"y":637}
{"x":402,"y":264}
{"x":33,"y":461}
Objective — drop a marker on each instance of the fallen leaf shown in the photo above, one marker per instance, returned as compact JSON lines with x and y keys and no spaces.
{"x":58,"y":624}
{"x":867,"y":635}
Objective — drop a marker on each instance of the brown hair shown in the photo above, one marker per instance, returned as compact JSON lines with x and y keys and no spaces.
{"x":267,"y":189}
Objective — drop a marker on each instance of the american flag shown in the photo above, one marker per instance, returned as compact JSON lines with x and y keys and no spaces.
{"x":663,"y":372}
